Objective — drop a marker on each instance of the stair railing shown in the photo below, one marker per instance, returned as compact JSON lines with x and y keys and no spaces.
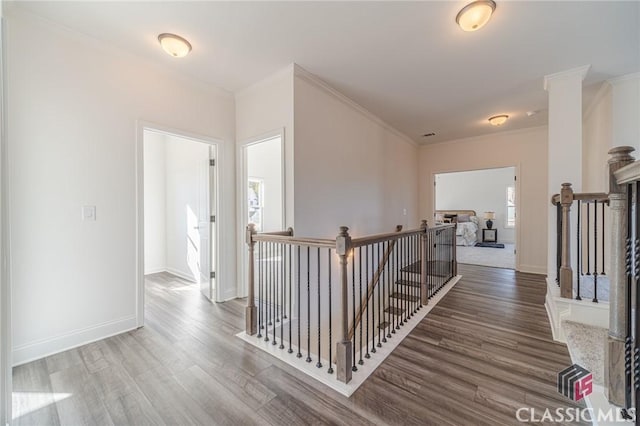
{"x":579,"y":279}
{"x":300,"y":289}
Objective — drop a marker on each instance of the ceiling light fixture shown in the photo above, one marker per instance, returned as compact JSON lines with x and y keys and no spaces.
{"x":498,"y":120}
{"x":174,"y":45}
{"x":475,"y":15}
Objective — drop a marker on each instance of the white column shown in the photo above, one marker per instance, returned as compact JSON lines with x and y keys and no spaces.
{"x":626,"y":110}
{"x":564,"y":147}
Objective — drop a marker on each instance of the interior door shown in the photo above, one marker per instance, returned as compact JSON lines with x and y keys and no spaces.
{"x":205,"y":226}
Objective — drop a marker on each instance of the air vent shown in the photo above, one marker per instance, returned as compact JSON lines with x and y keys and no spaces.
{"x":426,"y":135}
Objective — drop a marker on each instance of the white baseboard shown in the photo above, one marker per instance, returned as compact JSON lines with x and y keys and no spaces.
{"x":45,"y":347}
{"x":560,"y":309}
{"x":149,"y":271}
{"x":532,"y":269}
{"x":180,"y":274}
{"x":364,"y":371}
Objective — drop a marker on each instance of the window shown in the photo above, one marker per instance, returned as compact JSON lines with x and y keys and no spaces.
{"x":511,"y":207}
{"x":255,"y":200}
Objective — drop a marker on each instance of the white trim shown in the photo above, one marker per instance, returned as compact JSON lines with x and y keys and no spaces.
{"x":241,"y":207}
{"x":517,"y":228}
{"x":364,"y":371}
{"x":481,"y":138}
{"x":5,"y":243}
{"x":218,"y":143}
{"x":624,"y":78}
{"x":532,"y":269}
{"x":298,"y":71}
{"x":578,"y":71}
{"x":42,"y":348}
{"x":149,"y":271}
{"x":180,"y":274}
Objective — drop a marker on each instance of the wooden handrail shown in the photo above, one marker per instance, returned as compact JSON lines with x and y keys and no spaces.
{"x":373,"y":239}
{"x":296,"y":241}
{"x":374,"y":281}
{"x":583,"y":196}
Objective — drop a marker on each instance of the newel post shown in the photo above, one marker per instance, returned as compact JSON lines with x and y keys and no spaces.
{"x":566,"y":273}
{"x":251,"y":326}
{"x":424,"y":290}
{"x":344,"y":349}
{"x":619,"y":309}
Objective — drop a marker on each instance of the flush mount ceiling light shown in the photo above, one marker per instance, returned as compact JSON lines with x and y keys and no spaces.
{"x":475,"y":15}
{"x":174,"y":45}
{"x":498,"y":120}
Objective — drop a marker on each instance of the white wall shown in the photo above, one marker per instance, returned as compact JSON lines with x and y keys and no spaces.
{"x":184,"y":206}
{"x":155,"y":203}
{"x":263,"y":109}
{"x":597,"y":139}
{"x":350,"y":169}
{"x":526,"y":149}
{"x":479,"y":190}
{"x":264,"y":162}
{"x":73,"y":106}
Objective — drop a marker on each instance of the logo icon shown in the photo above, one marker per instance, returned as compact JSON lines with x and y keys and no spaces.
{"x":575,"y":382}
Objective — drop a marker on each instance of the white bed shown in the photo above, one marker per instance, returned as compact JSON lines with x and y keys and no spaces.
{"x":466,"y":232}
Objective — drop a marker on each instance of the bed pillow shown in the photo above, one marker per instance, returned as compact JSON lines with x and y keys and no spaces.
{"x":475,"y":220}
{"x":464,"y":218}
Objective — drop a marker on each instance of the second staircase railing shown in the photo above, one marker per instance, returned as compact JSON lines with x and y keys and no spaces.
{"x":334,"y":302}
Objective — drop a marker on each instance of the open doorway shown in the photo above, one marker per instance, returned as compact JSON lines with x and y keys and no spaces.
{"x":180,"y":204}
{"x":262,"y":188}
{"x":483,"y":204}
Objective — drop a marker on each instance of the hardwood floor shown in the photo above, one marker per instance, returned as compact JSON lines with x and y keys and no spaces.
{"x":483,"y":352}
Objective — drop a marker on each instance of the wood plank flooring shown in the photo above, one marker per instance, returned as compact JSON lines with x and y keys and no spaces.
{"x":483,"y":352}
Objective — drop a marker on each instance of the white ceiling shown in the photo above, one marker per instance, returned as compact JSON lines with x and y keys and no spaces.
{"x":407,"y":62}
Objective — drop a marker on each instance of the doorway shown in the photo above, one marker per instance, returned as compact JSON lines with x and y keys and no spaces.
{"x":262,"y":189}
{"x":483,"y":204}
{"x":179,"y":213}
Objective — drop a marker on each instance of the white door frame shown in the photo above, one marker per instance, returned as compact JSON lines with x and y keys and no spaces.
{"x":6,"y":362}
{"x":218,"y":146}
{"x":518,"y":203}
{"x":241,"y":178}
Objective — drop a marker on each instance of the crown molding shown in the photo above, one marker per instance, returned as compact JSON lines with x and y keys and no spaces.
{"x":624,"y":78}
{"x":579,"y":71}
{"x":485,"y":137}
{"x":324,"y":86}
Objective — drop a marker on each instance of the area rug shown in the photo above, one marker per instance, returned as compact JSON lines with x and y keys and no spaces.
{"x":490,"y":245}
{"x":487,"y":256}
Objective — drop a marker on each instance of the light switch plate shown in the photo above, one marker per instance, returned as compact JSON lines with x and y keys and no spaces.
{"x":88,"y":213}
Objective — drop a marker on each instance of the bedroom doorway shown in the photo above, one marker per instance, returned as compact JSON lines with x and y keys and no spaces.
{"x":483,"y":204}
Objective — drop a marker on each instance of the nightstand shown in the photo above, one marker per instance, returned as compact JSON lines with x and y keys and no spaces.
{"x":489,"y":235}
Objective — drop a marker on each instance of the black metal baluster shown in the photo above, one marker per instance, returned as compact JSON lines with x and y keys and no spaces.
{"x":588,"y":238}
{"x":319,"y":364}
{"x":309,"y":304}
{"x":282,"y":294}
{"x":385,"y":293}
{"x":603,"y":234}
{"x":290,"y":300}
{"x":416,"y":290}
{"x":407,"y":263}
{"x":636,"y":315}
{"x":628,"y":342}
{"x":330,"y":370}
{"x":275,"y":292}
{"x":579,"y":251}
{"x":366,"y":265}
{"x":260,"y":281}
{"x":396,"y":288}
{"x":268,"y":292}
{"x":558,"y":241}
{"x":299,"y":354}
{"x":353,"y":279}
{"x":595,"y":251}
{"x":380,"y":272}
{"x":373,"y":300}
{"x":360,"y":361}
